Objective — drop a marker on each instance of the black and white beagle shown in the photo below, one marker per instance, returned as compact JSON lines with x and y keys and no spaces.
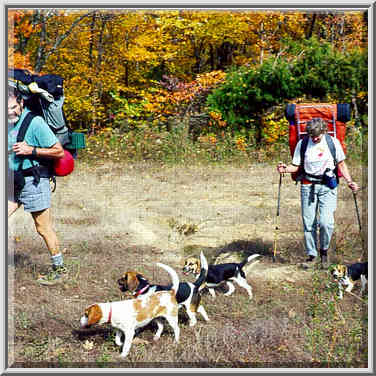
{"x":346,"y":275}
{"x":187,"y":295}
{"x":221,"y":273}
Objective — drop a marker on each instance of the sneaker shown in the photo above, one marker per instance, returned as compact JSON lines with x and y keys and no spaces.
{"x":309,"y":263}
{"x":53,"y":277}
{"x":62,"y":269}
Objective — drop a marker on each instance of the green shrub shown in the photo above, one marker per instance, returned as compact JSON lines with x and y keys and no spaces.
{"x":311,"y":69}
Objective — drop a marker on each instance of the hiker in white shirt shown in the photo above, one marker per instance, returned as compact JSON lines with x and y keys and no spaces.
{"x":318,"y":190}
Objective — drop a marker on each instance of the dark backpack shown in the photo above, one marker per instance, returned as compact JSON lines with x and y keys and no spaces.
{"x":43,"y":170}
{"x":51,"y":83}
{"x":301,"y":173}
{"x":46,"y":168}
{"x":52,"y":112}
{"x":54,"y":116}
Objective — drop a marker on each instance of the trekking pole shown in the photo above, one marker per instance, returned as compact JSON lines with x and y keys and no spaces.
{"x":359,"y":223}
{"x":357,"y":212}
{"x":277,"y":219}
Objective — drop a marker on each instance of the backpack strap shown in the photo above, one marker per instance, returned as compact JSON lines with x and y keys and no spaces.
{"x":22,"y":132}
{"x":332,"y":148}
{"x":36,"y":171}
{"x":303,"y":149}
{"x":24,"y":126}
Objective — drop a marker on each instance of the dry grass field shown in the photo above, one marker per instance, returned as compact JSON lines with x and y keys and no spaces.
{"x":111,"y":218}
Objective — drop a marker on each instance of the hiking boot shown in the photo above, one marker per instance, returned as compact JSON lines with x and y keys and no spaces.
{"x":324,"y":258}
{"x":309,"y":263}
{"x":324,"y":262}
{"x":56,"y":275}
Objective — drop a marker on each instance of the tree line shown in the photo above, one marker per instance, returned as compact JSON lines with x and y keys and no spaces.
{"x":125,"y":67}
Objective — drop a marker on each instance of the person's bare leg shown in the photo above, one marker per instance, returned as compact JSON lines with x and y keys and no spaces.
{"x":12,"y":207}
{"x":44,"y":228}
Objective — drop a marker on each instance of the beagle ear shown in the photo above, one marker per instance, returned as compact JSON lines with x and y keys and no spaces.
{"x":94,"y":314}
{"x":140,"y":277}
{"x":198,"y":266}
{"x":132,"y":281}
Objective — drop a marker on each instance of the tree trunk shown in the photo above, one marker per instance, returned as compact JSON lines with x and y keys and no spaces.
{"x":355,"y":106}
{"x":261,"y":43}
{"x":311,"y":26}
{"x":91,"y":45}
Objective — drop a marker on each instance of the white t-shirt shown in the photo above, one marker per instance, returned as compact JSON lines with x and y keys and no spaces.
{"x":317,"y":156}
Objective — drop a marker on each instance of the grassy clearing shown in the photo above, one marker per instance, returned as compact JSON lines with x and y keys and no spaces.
{"x":180,"y":145}
{"x":115,"y":215}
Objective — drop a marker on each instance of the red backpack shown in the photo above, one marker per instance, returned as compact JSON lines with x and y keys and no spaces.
{"x":336,"y":115}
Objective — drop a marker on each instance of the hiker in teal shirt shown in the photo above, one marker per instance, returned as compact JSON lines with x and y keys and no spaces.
{"x":38,"y":135}
{"x":31,"y":186}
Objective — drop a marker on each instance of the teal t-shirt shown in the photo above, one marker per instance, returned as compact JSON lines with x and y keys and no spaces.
{"x":38,"y":134}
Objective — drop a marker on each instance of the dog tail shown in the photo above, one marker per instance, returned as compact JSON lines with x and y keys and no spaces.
{"x":203,"y":273}
{"x":173,"y":274}
{"x":249,"y":259}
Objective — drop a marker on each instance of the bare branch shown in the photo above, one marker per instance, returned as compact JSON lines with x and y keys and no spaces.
{"x":42,"y":54}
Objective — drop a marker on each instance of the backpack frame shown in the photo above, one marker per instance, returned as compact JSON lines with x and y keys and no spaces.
{"x":336,"y":115}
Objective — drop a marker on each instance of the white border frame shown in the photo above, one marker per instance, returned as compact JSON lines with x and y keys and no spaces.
{"x":195,"y":4}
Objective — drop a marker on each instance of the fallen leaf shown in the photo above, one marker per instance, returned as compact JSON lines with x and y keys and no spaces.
{"x":88,"y":345}
{"x":139,"y":341}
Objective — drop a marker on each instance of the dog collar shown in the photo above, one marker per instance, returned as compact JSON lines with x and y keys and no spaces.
{"x":109,"y":315}
{"x":139,"y":292}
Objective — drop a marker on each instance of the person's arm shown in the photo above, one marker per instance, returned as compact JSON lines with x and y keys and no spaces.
{"x":342,"y":167}
{"x":282,"y":168}
{"x":56,"y":151}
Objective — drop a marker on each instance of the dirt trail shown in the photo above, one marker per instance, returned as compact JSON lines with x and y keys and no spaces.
{"x":116,"y":218}
{"x":178,"y":211}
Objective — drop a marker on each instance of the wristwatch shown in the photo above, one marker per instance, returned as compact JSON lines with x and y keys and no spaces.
{"x":34,"y":152}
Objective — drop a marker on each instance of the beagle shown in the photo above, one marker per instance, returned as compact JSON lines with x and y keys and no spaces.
{"x":346,"y":275}
{"x":220,"y":273}
{"x":128,"y":315}
{"x":188,"y":294}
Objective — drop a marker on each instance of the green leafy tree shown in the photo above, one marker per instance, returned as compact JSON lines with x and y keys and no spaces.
{"x":312,"y":69}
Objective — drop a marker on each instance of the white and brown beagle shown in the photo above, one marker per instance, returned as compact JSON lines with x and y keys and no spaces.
{"x":346,"y":275}
{"x":187,"y":295}
{"x":128,"y":315}
{"x":221,"y":273}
